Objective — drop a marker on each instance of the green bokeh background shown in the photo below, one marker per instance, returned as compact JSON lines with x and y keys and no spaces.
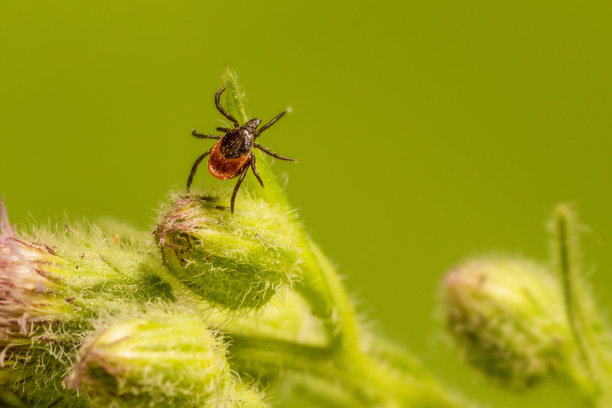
{"x":426,"y":131}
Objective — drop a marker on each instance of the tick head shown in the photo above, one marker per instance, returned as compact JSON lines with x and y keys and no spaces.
{"x":252,"y":124}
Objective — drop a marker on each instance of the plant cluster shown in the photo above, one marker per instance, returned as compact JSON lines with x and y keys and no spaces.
{"x":235,"y":310}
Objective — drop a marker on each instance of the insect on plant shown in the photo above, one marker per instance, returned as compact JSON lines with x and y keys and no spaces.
{"x":233,"y":154}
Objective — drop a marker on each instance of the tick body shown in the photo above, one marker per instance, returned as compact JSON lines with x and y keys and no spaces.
{"x":232,"y":155}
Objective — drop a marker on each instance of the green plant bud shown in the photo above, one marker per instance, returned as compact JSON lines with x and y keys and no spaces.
{"x":508,"y":317}
{"x":52,"y":287}
{"x":161,"y":359}
{"x":235,"y":261}
{"x":67,"y":278}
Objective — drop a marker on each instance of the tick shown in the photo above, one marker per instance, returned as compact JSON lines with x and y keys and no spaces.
{"x":232,"y":155}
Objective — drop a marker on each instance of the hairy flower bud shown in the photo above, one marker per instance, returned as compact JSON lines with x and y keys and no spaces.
{"x":508,"y":317}
{"x":232,"y":261}
{"x":51,"y":288}
{"x":161,"y":359}
{"x":29,"y":289}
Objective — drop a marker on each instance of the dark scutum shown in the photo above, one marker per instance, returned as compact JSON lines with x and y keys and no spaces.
{"x":236,"y":142}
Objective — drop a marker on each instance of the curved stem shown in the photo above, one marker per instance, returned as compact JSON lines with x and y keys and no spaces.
{"x":568,"y":277}
{"x":587,"y":343}
{"x":359,"y":375}
{"x":322,"y":288}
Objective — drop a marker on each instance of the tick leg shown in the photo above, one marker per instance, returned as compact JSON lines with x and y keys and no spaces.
{"x":273,"y":121}
{"x":244,"y":172}
{"x":194,"y":168}
{"x":255,"y":169}
{"x":271,"y":153}
{"x":222,"y":129}
{"x":223,"y":112}
{"x":195,"y":133}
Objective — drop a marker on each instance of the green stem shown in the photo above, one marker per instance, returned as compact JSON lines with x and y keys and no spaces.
{"x":589,"y":348}
{"x":359,"y":375}
{"x":568,"y":277}
{"x":322,"y":288}
{"x":319,"y":283}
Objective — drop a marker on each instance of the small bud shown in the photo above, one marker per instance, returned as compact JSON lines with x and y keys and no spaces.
{"x":29,"y":285}
{"x":161,"y":359}
{"x":51,"y":288}
{"x":58,"y":279}
{"x":508,"y":317}
{"x":234,"y":261}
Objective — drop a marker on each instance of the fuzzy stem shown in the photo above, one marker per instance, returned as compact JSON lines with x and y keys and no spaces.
{"x":359,"y":375}
{"x":321,"y":286}
{"x":319,"y":283}
{"x":569,"y":280}
{"x":587,"y":330}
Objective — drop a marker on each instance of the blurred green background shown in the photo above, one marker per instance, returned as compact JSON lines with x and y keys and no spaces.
{"x":426,"y":131}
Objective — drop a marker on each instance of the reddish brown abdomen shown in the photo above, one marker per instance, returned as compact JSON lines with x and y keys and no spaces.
{"x":225,"y":168}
